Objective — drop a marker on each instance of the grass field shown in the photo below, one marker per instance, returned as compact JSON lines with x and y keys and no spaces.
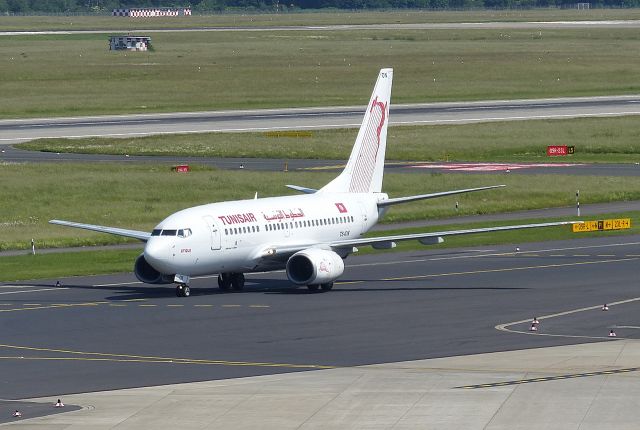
{"x":613,"y":140}
{"x":51,"y":266}
{"x":236,"y":70}
{"x":138,"y":196}
{"x":336,"y":17}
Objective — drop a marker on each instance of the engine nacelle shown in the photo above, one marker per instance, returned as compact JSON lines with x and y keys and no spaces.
{"x":147,"y":274}
{"x":314,"y":266}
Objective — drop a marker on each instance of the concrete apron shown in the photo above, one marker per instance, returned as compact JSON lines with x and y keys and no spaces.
{"x":589,"y":386}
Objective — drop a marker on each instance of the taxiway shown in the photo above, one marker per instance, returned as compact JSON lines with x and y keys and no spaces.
{"x":111,"y":332}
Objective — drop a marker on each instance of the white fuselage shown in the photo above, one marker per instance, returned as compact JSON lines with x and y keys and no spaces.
{"x":235,"y":236}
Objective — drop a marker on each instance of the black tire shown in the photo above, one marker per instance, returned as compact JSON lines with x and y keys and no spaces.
{"x":313,"y":287}
{"x":224,"y":281}
{"x":180,"y":290}
{"x":237,"y":281}
{"x":327,"y":287}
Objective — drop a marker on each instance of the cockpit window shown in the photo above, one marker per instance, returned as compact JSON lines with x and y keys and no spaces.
{"x":184,"y":232}
{"x":156,"y":232}
{"x":168,"y":232}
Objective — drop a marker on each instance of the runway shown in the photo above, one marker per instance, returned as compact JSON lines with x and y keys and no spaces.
{"x":13,"y":131}
{"x":523,"y":25}
{"x":111,"y":332}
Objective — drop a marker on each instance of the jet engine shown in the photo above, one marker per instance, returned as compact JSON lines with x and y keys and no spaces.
{"x":314,"y":266}
{"x":147,"y":274}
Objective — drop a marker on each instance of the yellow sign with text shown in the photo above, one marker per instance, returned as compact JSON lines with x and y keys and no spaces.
{"x":602,"y":225}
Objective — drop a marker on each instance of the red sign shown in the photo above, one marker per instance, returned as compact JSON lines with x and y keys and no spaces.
{"x":555,"y":150}
{"x":182,"y":168}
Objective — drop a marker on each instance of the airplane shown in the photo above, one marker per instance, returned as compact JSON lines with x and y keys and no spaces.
{"x":308,"y":235}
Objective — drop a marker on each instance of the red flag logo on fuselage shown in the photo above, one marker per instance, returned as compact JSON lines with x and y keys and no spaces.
{"x":342,"y":208}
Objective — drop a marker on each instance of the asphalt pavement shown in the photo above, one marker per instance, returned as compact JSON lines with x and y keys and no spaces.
{"x":112,"y":332}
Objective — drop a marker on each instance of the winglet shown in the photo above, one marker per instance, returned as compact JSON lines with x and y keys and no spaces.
{"x":302,"y":189}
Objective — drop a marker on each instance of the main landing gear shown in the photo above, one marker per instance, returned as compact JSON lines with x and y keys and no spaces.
{"x":183,"y":290}
{"x":325,"y":287}
{"x":226,"y":281}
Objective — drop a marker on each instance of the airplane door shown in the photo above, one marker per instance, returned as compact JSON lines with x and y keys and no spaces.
{"x":215,"y":232}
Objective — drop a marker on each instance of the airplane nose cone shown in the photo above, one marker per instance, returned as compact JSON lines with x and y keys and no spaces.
{"x":158,"y":255}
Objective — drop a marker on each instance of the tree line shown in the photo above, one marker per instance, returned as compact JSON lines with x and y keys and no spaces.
{"x":204,"y":6}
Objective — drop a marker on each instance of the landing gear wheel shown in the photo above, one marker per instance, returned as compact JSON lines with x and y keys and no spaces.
{"x":183,"y":291}
{"x":224,"y":281}
{"x":327,"y":287}
{"x":237,"y":281}
{"x":312,"y":287}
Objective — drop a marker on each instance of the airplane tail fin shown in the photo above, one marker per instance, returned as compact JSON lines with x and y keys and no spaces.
{"x":365,"y":168}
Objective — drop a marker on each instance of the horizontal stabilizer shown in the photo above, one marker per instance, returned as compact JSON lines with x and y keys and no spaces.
{"x":398,"y":200}
{"x":302,"y":189}
{"x":134,"y":234}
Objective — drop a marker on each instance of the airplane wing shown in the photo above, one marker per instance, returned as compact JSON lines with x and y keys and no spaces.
{"x":436,"y":237}
{"x":281,"y":252}
{"x":135,"y":234}
{"x":397,"y":200}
